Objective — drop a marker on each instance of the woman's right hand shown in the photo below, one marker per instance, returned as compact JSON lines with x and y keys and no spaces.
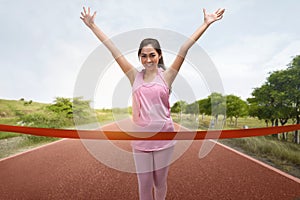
{"x":209,"y":18}
{"x":87,"y":18}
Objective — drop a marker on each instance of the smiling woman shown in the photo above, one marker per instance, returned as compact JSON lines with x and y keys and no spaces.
{"x":150,"y":102}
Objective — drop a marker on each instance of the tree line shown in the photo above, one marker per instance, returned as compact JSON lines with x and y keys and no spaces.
{"x":229,"y":106}
{"x":276,"y":101}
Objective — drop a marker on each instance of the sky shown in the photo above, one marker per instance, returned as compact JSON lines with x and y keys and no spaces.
{"x":44,"y":44}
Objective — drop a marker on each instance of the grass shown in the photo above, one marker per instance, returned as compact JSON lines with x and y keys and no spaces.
{"x":12,"y":143}
{"x":22,"y":143}
{"x":10,"y":107}
{"x":280,"y":154}
{"x":268,"y":147}
{"x":9,"y":110}
{"x":204,"y":121}
{"x":6,"y":135}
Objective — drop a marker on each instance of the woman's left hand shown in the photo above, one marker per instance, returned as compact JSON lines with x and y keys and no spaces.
{"x":87,"y":17}
{"x":209,"y":18}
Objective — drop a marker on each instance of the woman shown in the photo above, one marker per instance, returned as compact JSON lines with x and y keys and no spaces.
{"x":151,"y":110}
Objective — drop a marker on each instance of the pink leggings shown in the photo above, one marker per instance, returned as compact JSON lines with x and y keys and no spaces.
{"x":152,"y":171}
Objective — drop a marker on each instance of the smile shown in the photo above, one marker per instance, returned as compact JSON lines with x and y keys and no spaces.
{"x":149,"y":65}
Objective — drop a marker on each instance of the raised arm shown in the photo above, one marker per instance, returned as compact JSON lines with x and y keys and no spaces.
{"x":126,"y":67}
{"x":209,"y":18}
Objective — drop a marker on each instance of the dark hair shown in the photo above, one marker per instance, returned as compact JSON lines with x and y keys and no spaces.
{"x":155,"y":44}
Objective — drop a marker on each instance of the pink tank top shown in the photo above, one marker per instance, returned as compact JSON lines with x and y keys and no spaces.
{"x":151,"y":110}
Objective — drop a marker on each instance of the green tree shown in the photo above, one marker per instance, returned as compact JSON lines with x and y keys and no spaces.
{"x":262,"y":104}
{"x":204,"y":107}
{"x":294,"y":92}
{"x":192,"y":108}
{"x":235,"y":107}
{"x":81,"y":110}
{"x":179,"y":107}
{"x":279,"y":98}
{"x":62,"y":106}
{"x":217,"y":105}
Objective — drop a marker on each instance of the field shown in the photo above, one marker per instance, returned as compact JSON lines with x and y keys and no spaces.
{"x":283,"y":155}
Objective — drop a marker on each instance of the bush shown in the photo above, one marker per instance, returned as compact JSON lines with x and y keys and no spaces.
{"x":46,"y":120}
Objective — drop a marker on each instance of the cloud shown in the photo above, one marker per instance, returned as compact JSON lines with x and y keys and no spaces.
{"x":283,"y":57}
{"x":245,"y":64}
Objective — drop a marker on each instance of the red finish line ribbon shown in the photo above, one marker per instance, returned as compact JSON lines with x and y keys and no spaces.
{"x":105,"y":134}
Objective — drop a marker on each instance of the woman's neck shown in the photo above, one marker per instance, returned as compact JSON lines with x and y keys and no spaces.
{"x":150,"y":74}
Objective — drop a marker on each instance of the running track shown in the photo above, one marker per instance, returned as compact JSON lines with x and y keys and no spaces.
{"x":65,"y":170}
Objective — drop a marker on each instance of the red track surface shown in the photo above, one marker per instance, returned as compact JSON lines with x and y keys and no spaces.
{"x":65,"y":170}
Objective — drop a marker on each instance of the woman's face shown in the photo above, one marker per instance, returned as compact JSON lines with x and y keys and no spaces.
{"x":149,"y":57}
